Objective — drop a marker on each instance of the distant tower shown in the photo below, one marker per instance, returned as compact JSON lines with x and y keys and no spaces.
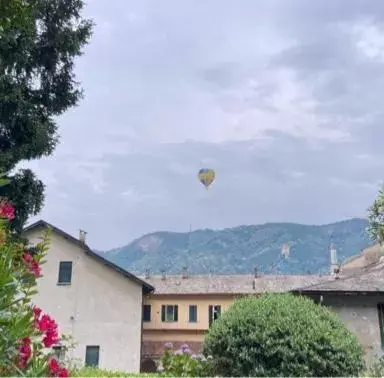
{"x":334,"y":263}
{"x":285,"y":249}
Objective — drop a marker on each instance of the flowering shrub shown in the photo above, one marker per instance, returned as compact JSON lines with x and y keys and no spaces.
{"x":26,"y":333}
{"x":182,"y":363}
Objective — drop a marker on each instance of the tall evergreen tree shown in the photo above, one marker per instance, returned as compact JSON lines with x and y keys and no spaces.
{"x":39,"y":41}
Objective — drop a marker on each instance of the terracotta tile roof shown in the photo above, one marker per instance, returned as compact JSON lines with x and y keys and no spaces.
{"x":230,"y":284}
{"x":368,"y":280}
{"x":368,"y":257}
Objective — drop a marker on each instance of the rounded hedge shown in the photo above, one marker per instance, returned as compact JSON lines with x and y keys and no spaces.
{"x":282,"y":335}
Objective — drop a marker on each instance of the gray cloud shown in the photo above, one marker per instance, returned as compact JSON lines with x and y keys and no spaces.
{"x":283,"y":99}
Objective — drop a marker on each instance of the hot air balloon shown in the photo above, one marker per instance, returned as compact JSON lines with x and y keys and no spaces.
{"x":285,"y":249}
{"x":206,"y":176}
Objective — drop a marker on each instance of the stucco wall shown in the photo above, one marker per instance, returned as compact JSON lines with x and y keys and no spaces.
{"x":361,"y":317}
{"x":156,"y":333}
{"x":183,"y":301}
{"x":358,"y":312}
{"x":105,"y":306}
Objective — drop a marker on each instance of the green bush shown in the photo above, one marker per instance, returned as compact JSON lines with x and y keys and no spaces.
{"x":282,"y":335}
{"x":182,"y":363}
{"x":94,"y":372}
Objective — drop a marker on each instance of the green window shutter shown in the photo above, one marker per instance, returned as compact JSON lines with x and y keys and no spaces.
{"x":65,"y":272}
{"x":163,"y":313}
{"x":176,"y":313}
{"x":210,"y":314}
{"x":146,"y":313}
{"x":92,"y":353}
{"x":192,"y":313}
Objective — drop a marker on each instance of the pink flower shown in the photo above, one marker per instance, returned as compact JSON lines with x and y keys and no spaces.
{"x":56,"y":370}
{"x":48,"y":327}
{"x":25,"y":352}
{"x":7,"y":211}
{"x":33,"y":265}
{"x":37,"y":311}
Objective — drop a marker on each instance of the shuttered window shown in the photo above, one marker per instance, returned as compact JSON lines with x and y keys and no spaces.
{"x":65,"y":273}
{"x":92,"y":355}
{"x":146,"y":313}
{"x":214,"y":313}
{"x":169,"y":313}
{"x":192,"y":313}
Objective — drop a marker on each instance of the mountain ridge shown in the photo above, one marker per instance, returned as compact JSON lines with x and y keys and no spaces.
{"x":239,"y":249}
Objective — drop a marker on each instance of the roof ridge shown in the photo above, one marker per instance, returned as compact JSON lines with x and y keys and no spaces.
{"x":90,"y":252}
{"x":346,"y":278}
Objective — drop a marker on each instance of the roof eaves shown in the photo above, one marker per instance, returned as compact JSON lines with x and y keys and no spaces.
{"x":41,"y":223}
{"x":340,"y":292}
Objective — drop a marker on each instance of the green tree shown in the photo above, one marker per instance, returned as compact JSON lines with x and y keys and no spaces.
{"x":12,"y":13}
{"x":39,"y":41}
{"x":27,"y":192}
{"x":282,"y":335}
{"x":376,"y":218}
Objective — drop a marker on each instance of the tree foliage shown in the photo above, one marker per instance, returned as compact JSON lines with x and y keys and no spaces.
{"x":376,"y":218}
{"x":39,"y":41}
{"x":282,"y":335}
{"x":26,"y":193}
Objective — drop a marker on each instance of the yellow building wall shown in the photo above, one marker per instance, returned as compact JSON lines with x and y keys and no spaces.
{"x":156,"y":333}
{"x":183,"y":301}
{"x":167,"y":336}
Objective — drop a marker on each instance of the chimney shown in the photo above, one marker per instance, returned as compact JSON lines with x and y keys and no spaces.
{"x":147,"y":273}
{"x":185,"y":273}
{"x":82,"y":235}
{"x":255,"y":272}
{"x":163,"y":275}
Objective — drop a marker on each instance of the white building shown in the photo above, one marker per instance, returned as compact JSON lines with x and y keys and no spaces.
{"x":93,"y":300}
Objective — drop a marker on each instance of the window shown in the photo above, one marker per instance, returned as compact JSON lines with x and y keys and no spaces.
{"x":92,"y":355}
{"x":146,"y":313}
{"x":59,"y":352}
{"x":380,"y":310}
{"x":65,"y":273}
{"x":192,"y":313}
{"x":214,"y":313}
{"x":169,"y":313}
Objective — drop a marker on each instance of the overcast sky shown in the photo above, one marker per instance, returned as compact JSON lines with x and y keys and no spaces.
{"x":283,"y":98}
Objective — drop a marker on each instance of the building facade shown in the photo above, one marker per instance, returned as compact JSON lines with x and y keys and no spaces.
{"x":121,"y":322}
{"x":359,"y":301}
{"x":183,"y":307}
{"x":94,"y":301}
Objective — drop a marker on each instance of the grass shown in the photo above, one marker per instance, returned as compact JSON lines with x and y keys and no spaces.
{"x":94,"y":372}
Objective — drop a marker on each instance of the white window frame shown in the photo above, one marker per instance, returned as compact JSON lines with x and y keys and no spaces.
{"x":170,"y":317}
